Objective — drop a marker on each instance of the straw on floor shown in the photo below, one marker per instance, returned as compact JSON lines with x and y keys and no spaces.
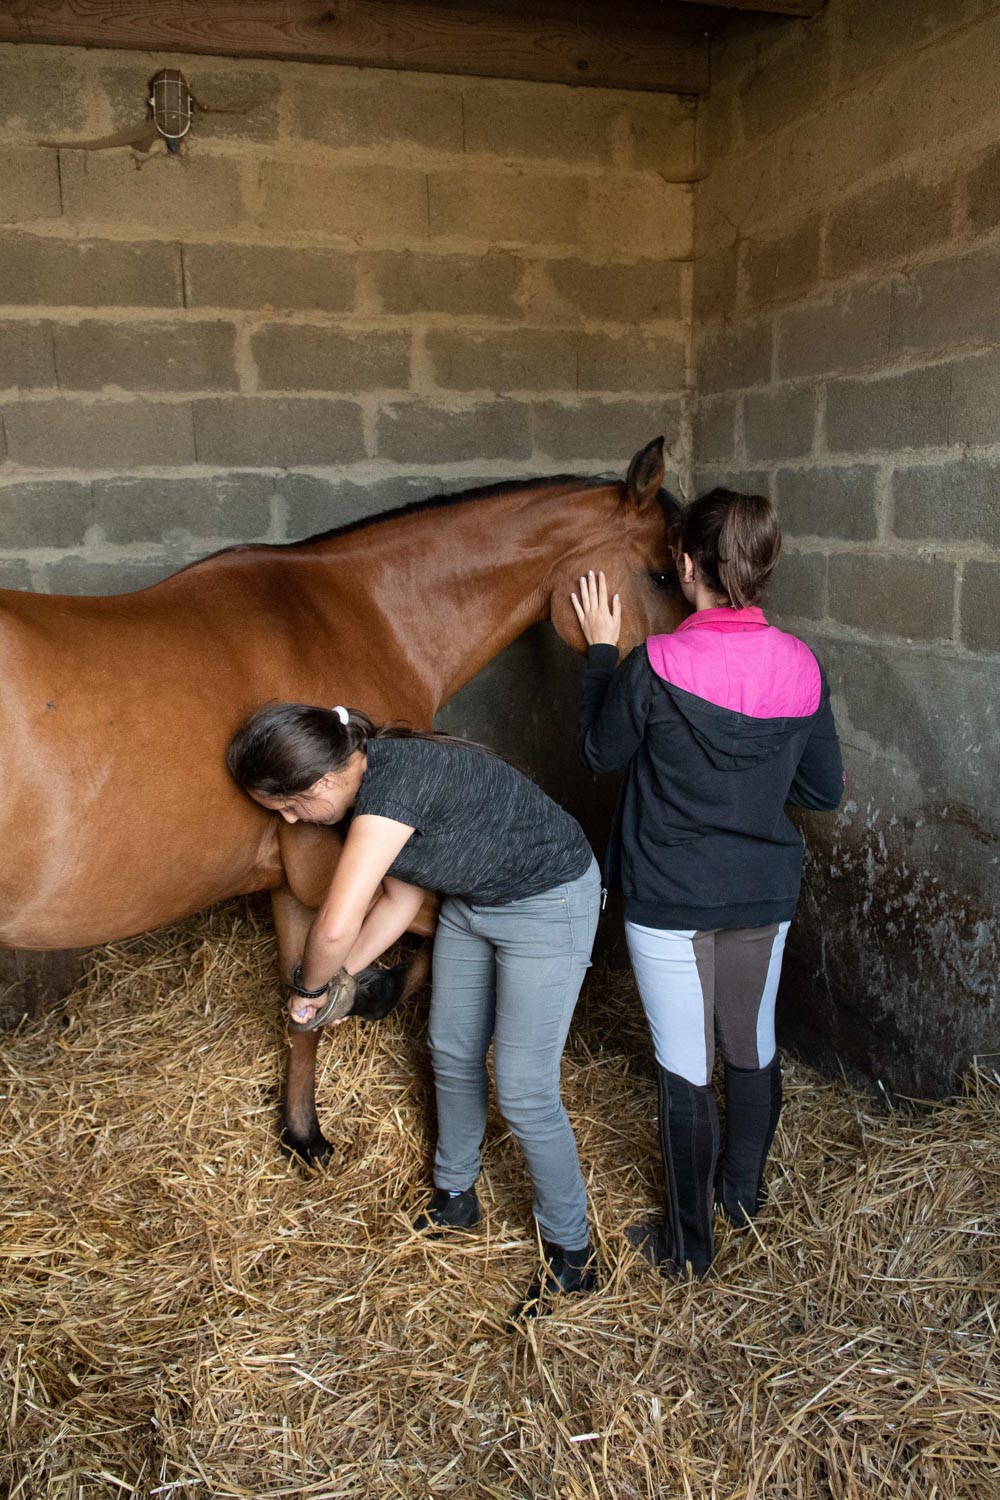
{"x":185,"y":1314}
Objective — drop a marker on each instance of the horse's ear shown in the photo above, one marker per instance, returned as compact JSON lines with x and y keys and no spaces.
{"x":645,"y":474}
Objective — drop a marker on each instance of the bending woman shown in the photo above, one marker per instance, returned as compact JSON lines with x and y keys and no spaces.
{"x":719,"y":725}
{"x":513,"y":941}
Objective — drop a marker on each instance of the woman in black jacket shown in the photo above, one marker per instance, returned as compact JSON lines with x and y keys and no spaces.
{"x":718,"y":725}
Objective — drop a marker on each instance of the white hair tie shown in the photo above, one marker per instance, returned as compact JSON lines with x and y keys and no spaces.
{"x":342,"y":714}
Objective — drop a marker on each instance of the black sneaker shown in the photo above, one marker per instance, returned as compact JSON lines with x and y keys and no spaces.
{"x":448,"y":1211}
{"x":563,"y":1272}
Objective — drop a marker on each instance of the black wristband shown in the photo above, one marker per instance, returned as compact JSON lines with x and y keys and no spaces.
{"x":297,"y":988}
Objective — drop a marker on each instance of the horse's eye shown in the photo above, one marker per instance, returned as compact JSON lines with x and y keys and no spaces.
{"x":665,"y":582}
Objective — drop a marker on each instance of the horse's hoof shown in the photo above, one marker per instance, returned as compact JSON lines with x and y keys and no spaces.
{"x":379,"y":992}
{"x":313,"y":1151}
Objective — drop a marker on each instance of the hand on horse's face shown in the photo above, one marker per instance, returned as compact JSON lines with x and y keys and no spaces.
{"x":600,"y":619}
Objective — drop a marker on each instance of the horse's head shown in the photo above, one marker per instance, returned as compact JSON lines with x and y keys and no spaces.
{"x":627,"y":533}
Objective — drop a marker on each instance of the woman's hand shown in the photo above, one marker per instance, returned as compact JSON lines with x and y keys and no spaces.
{"x":600,"y":621}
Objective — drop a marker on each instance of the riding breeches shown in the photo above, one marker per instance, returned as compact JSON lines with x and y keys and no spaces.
{"x":698,"y":985}
{"x":512,"y":974}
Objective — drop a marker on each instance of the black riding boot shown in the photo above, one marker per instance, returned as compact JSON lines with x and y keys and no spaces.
{"x":689,"y":1143}
{"x":753,"y":1105}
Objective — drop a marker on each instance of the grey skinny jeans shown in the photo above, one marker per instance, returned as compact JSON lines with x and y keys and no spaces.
{"x":512,"y":973}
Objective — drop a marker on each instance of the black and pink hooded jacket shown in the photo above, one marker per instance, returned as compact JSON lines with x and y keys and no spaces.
{"x":719,"y":725}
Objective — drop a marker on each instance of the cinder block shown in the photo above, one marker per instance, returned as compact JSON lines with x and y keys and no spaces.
{"x":790,"y":77}
{"x":523,"y":359}
{"x":54,"y":514}
{"x":798,"y":585}
{"x":611,"y":430}
{"x":15,"y":574}
{"x":780,"y":269}
{"x":26,"y":355}
{"x":345,"y":201}
{"x":957,"y":502}
{"x":171,"y":511}
{"x":779,"y":423}
{"x":950,"y":302}
{"x":828,"y":502}
{"x":982,"y":192}
{"x":959,"y":76}
{"x":980,"y":617}
{"x":42,"y":93}
{"x":421,"y":432}
{"x":29,"y":185}
{"x":733,"y":358}
{"x":849,"y":333}
{"x":292,"y":357}
{"x":174,"y":193}
{"x":269,"y":276}
{"x":483,"y":285}
{"x":534,"y":120}
{"x":264,"y":432}
{"x":146,"y":356}
{"x":888,"y":223}
{"x":630,"y":363}
{"x":315,"y":504}
{"x":743,"y":194}
{"x":975,"y":400}
{"x":99,"y":434}
{"x":899,"y":411}
{"x":873,"y":41}
{"x":342,"y":107}
{"x":507,"y":207}
{"x":715,"y":285}
{"x":662,"y":130}
{"x":644,"y":292}
{"x":81,"y":575}
{"x":716,"y":122}
{"x":744,"y":481}
{"x":715,"y":430}
{"x":636,"y":215}
{"x":944,"y":90}
{"x":886,"y":595}
{"x":253,"y":96}
{"x":89,"y":273}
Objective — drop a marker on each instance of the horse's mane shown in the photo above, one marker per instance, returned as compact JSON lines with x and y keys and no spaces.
{"x":460,"y":497}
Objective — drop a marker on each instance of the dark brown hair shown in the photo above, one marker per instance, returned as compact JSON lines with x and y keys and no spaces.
{"x":733,"y":541}
{"x":284,"y":748}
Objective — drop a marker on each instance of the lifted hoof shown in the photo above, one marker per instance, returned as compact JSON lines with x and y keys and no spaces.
{"x":379,"y":991}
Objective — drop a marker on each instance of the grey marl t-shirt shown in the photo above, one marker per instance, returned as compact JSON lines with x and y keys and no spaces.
{"x":482,"y":830}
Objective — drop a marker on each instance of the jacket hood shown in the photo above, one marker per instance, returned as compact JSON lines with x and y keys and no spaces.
{"x":743,"y":686}
{"x":732,"y":741}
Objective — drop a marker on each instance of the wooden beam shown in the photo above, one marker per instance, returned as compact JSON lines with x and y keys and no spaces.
{"x":599,"y":47}
{"x":802,"y":8}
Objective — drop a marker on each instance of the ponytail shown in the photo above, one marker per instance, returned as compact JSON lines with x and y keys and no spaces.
{"x":285,"y":748}
{"x":734,"y":541}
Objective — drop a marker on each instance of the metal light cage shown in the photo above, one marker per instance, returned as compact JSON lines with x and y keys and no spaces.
{"x":171,"y":104}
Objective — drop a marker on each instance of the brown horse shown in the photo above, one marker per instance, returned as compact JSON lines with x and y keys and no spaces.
{"x":118,"y":813}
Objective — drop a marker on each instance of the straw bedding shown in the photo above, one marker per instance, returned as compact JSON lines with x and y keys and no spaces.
{"x":185,"y":1314}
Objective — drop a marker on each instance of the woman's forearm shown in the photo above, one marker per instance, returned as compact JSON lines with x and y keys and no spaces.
{"x":325,"y":954}
{"x":388,"y":920}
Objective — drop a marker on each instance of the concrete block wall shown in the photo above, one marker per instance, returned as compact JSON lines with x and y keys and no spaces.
{"x":847,"y":329}
{"x":366,"y":288}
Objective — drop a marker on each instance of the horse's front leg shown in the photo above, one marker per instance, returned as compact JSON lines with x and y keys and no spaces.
{"x":301,"y":1136}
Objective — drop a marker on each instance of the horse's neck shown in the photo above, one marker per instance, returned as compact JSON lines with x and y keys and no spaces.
{"x":448,"y":588}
